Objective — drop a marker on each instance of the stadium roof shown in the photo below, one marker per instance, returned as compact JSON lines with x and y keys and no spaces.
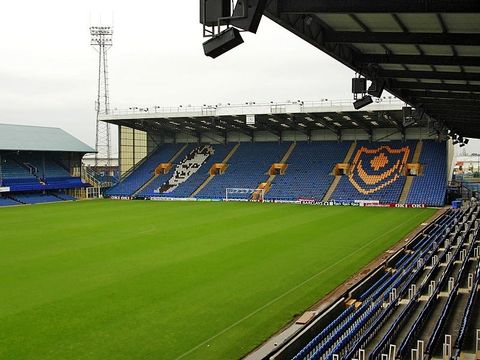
{"x":333,"y":115}
{"x":427,"y":52}
{"x":36,"y":138}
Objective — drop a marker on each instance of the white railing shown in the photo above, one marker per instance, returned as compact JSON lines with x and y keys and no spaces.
{"x":247,"y":107}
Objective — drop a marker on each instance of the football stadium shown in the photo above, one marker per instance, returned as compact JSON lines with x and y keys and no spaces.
{"x":294,"y":230}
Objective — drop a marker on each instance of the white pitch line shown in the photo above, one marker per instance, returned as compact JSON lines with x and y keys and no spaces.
{"x":286,"y":293}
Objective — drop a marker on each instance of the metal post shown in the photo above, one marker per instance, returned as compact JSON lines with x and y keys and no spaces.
{"x":431,"y":288}
{"x":412,"y":291}
{"x":451,"y":282}
{"x":414,"y":354}
{"x":392,"y":352}
{"x":393,"y":295}
{"x":361,"y":354}
{"x":421,"y":349}
{"x":447,"y":347}
{"x":470,"y":281}
{"x":477,"y":344}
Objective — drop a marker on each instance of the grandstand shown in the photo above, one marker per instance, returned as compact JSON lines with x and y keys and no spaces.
{"x":319,"y":152}
{"x":417,"y":304}
{"x":39,"y":165}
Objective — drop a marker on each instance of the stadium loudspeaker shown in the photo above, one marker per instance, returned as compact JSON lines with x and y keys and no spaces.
{"x":366,"y":100}
{"x":407,"y":116}
{"x":212,"y":10}
{"x":359,"y":85}
{"x":223,"y":42}
{"x":249,"y":13}
{"x":376,"y":88}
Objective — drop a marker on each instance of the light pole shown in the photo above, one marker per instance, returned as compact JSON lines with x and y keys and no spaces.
{"x":101,"y":40}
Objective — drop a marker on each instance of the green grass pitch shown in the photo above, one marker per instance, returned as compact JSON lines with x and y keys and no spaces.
{"x":114,"y":280}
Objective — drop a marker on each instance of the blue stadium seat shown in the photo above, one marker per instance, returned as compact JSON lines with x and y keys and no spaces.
{"x":431,"y":187}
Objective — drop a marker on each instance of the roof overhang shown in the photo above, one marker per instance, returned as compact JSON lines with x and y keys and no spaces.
{"x":427,"y":52}
{"x":37,"y":138}
{"x":304,"y":117}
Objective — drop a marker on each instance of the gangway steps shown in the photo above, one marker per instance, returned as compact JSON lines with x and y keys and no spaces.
{"x":409,"y":180}
{"x":210,"y":178}
{"x":154,"y":176}
{"x":284,"y":160}
{"x":337,"y":179}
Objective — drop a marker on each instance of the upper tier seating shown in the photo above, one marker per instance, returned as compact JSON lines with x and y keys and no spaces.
{"x":431,"y":187}
{"x":309,"y":166}
{"x":11,"y":169}
{"x":144,"y":171}
{"x":376,"y":172}
{"x":248,"y":167}
{"x":32,"y":172}
{"x":43,"y":167}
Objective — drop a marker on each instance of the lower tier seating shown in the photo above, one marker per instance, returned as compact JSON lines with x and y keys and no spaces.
{"x":144,"y":171}
{"x":217,"y":153}
{"x":308,"y":171}
{"x":4,"y":201}
{"x":34,"y":198}
{"x":248,"y":167}
{"x":431,"y":187}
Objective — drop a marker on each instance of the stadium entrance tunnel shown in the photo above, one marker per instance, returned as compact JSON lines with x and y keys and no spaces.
{"x":163,"y":168}
{"x":341,"y":169}
{"x":278,"y":169}
{"x":218,"y":169}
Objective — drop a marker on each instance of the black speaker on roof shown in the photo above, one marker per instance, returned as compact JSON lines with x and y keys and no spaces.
{"x":359,"y":85}
{"x":366,"y":100}
{"x":223,"y":42}
{"x":249,"y":13}
{"x":376,"y":88}
{"x":212,"y":10}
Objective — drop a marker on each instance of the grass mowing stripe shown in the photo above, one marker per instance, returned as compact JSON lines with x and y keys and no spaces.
{"x":292,"y":290}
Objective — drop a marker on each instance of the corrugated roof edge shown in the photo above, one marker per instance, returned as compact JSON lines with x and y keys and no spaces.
{"x":66,"y":143}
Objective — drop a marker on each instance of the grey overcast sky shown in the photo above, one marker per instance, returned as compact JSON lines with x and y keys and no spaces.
{"x":48,"y":71}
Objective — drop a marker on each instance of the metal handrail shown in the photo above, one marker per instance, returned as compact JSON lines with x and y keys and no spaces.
{"x":212,"y":109}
